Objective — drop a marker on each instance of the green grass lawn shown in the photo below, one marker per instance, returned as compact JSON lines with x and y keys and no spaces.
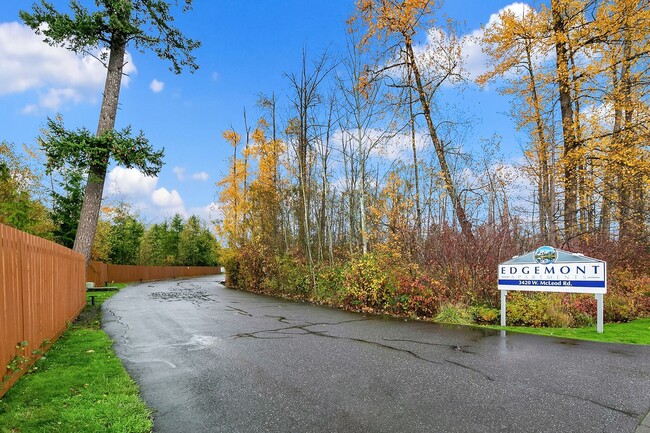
{"x":634,"y":332}
{"x":78,"y":386}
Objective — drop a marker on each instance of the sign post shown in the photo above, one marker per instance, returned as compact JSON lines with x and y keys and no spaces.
{"x":550,"y":270}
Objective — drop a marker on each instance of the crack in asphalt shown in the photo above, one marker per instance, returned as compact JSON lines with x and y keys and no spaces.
{"x":238,"y":311}
{"x":281,"y":319}
{"x":475,"y":370}
{"x":492,"y":379}
{"x":453,"y":347}
{"x":277,"y":330}
{"x":450,"y":346}
{"x":377,"y":344}
{"x":588,"y":400}
{"x":257,"y":337}
{"x":286,"y":335}
{"x":125,"y":327}
{"x":307,"y":331}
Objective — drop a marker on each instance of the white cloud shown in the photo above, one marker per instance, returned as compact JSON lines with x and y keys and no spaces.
{"x":179,"y":172}
{"x":30,"y":109}
{"x":53,"y":99}
{"x":438,"y":52}
{"x":340,"y":183}
{"x":154,"y":204}
{"x":210,"y":212}
{"x":201,"y":176}
{"x":130,"y":182}
{"x":518,"y":9}
{"x":56,"y":74}
{"x":167,"y":203}
{"x":166,"y":199}
{"x":475,"y":60}
{"x":215,"y":212}
{"x":156,"y":86}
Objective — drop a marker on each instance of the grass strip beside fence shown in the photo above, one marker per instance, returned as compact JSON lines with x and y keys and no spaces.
{"x":79,"y":386}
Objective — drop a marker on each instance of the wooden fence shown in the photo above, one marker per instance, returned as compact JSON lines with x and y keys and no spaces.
{"x":104,"y":274}
{"x":42,"y":288}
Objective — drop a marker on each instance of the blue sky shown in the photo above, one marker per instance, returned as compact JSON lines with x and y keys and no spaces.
{"x":247,"y":48}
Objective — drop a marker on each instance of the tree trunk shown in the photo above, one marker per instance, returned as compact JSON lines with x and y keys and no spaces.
{"x":605,"y":222}
{"x":362,"y":193}
{"x":416,"y":172}
{"x":627,"y":183}
{"x":568,"y":130}
{"x":85,"y":236}
{"x":246,"y":146}
{"x":547,"y":225}
{"x":465,"y":224}
{"x":350,"y":184}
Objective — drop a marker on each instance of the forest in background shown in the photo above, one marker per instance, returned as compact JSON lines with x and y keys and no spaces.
{"x":48,"y":205}
{"x":358,"y":188}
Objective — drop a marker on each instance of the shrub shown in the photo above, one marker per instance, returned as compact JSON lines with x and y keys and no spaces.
{"x":253,"y":267}
{"x":329,"y":284}
{"x":527,"y":309}
{"x":454,"y":313}
{"x":468,"y":269}
{"x":644,"y":305}
{"x":393,"y":279}
{"x":577,"y":304}
{"x":366,"y":284}
{"x":581,"y":320}
{"x":230,"y":260}
{"x":416,"y":295}
{"x":557,"y":317}
{"x":293,"y":276}
{"x":627,"y":284}
{"x":581,"y":308}
{"x":485,"y":315}
{"x":619,"y":308}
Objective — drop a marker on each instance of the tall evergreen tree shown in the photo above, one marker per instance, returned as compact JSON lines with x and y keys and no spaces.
{"x":146,"y":25}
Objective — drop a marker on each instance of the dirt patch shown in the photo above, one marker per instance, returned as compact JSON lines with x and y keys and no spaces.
{"x":90,"y":317}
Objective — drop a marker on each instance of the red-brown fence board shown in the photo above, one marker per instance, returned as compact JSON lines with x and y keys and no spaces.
{"x":42,"y":288}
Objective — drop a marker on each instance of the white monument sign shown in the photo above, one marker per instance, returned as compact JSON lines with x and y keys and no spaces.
{"x":550,"y":270}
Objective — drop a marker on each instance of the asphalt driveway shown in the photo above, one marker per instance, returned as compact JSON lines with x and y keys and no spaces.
{"x":210,"y":359}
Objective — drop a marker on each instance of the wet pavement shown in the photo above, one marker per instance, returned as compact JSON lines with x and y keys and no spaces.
{"x":210,"y":359}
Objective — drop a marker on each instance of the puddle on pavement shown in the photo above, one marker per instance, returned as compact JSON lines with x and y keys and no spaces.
{"x":203,"y":340}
